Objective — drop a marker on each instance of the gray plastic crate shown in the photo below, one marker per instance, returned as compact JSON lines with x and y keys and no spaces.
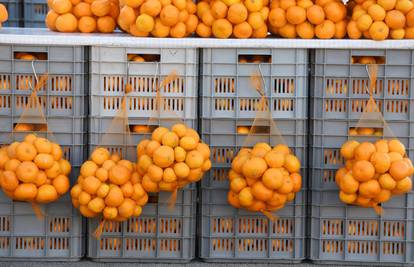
{"x":343,"y":233}
{"x":15,"y":10}
{"x":229,"y":101}
{"x":111,"y":71}
{"x":235,"y":235}
{"x":159,"y":234}
{"x":59,"y":235}
{"x":228,"y":92}
{"x":35,"y":12}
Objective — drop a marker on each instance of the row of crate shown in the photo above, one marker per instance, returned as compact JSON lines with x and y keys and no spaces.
{"x":315,"y":97}
{"x":26,"y":13}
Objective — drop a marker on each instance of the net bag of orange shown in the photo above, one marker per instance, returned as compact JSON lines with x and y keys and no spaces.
{"x":264,"y":179}
{"x":171,"y":159}
{"x":158,"y":18}
{"x":108,"y":186}
{"x":4,"y":15}
{"x":374,"y":170}
{"x":33,"y":170}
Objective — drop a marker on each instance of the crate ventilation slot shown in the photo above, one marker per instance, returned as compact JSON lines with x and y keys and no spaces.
{"x":332,"y":246}
{"x":336,"y":87}
{"x":59,"y":225}
{"x":58,"y":243}
{"x":363,"y":228}
{"x":220,"y":174}
{"x":222,"y":154}
{"x":170,"y":226}
{"x":363,"y":247}
{"x":329,"y":176}
{"x":332,"y":156}
{"x":284,"y":86}
{"x":332,"y":227}
{"x":141,"y":226}
{"x":224,"y":104}
{"x":398,"y":87}
{"x":222,"y":244}
{"x":5,"y":82}
{"x":222,"y":225}
{"x":140,"y":244}
{"x":224,"y":85}
{"x":335,"y":105}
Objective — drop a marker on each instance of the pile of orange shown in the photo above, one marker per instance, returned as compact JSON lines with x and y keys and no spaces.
{"x":4,"y":15}
{"x":373,"y":172}
{"x":82,"y":15}
{"x":381,"y":19}
{"x":323,"y":19}
{"x":34,"y":170}
{"x":233,"y":18}
{"x":264,"y":179}
{"x":158,"y":18}
{"x":172,"y":159}
{"x":110,"y":186}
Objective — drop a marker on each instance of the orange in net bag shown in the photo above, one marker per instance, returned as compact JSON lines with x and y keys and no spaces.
{"x":374,"y":171}
{"x":173,"y":157}
{"x":108,"y":185}
{"x":33,"y":170}
{"x":264,"y":178}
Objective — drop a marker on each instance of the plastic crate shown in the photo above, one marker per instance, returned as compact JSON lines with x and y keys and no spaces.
{"x":160,"y":234}
{"x":343,"y":233}
{"x":35,"y":12}
{"x":229,"y":101}
{"x":58,"y":236}
{"x":228,"y":92}
{"x":15,"y":10}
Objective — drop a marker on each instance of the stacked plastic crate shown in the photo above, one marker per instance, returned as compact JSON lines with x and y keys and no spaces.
{"x":341,"y":233}
{"x":35,"y":12}
{"x":229,"y":104}
{"x":58,"y":235}
{"x":161,"y":233}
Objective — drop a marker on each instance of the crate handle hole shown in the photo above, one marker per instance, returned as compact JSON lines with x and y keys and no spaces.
{"x":246,"y":129}
{"x":30,"y":127}
{"x":144,"y":57}
{"x":366,"y":60}
{"x":141,"y":129}
{"x":255,"y":59}
{"x":365,"y":131}
{"x":22,"y":55}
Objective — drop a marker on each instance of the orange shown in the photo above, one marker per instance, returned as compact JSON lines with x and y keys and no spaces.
{"x":11,"y":150}
{"x":381,"y":146}
{"x":183,"y":16}
{"x":277,"y":17}
{"x":143,"y":163}
{"x":325,"y":30}
{"x":237,"y":185}
{"x":397,"y":34}
{"x":61,"y":184}
{"x":387,"y":4}
{"x":155,"y":173}
{"x":169,"y":174}
{"x":194,"y":159}
{"x":347,"y":198}
{"x":233,"y":199}
{"x":201,"y":8}
{"x":178,"y":31}
{"x":219,"y":10}
{"x":115,"y":197}
{"x":376,"y":12}
{"x":151,"y":8}
{"x":273,"y":178}
{"x":277,"y":199}
{"x":315,"y":14}
{"x":404,"y":6}
{"x":261,"y":192}
{"x":96,"y":205}
{"x":260,"y":32}
{"x":410,"y":18}
{"x":396,"y":146}
{"x":76,"y":191}
{"x":179,"y":154}
{"x":383,"y":196}
{"x":61,"y":6}
{"x":255,"y":20}
{"x":25,"y":192}
{"x":285,"y":4}
{"x":151,"y":147}
{"x":3,"y":13}
{"x":100,"y":8}
{"x":358,"y":13}
{"x":85,"y":211}
{"x":119,"y":174}
{"x":46,"y":193}
{"x":403,"y":186}
{"x":363,"y":170}
{"x":238,"y":163}
{"x":274,"y":159}
{"x":87,"y":24}
{"x":395,"y":19}
{"x":88,"y":168}
{"x":348,"y":184}
{"x":25,"y":151}
{"x":339,"y":175}
{"x":27,"y":172}
{"x":30,"y":138}
{"x":304,"y":3}
{"x":258,"y":152}
{"x":254,"y":167}
{"x":179,"y":129}
{"x":180,"y":4}
{"x":187,"y":142}
{"x":82,"y":10}
{"x":138,"y":192}
{"x":399,"y":170}
{"x":169,"y":17}
{"x":66,"y":23}
{"x":43,"y":145}
{"x":53,"y":171}
{"x":222,"y":28}
{"x":84,"y":198}
{"x":11,"y":165}
{"x":348,"y":149}
{"x":170,"y":139}
{"x":287,"y":186}
{"x":56,"y":151}
{"x":364,"y":151}
{"x":335,"y":11}
{"x":381,"y":161}
{"x":100,"y":155}
{"x":369,"y":189}
{"x":237,"y":13}
{"x":65,"y":166}
{"x":145,"y":23}
{"x":253,"y":5}
{"x":364,"y":22}
{"x":103,"y":190}
{"x":340,"y":29}
{"x":126,"y":209}
{"x":8,"y":180}
{"x":181,"y":170}
{"x":246,"y":197}
{"x":387,"y":182}
{"x":110,"y":213}
{"x":191,"y":7}
{"x":292,"y":163}
{"x":44,"y":161}
{"x":51,"y":20}
{"x":163,"y":156}
{"x":296,"y":15}
{"x":195,"y":175}
{"x":287,"y":31}
{"x":91,"y":184}
{"x":305,"y":30}
{"x":297,"y":182}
